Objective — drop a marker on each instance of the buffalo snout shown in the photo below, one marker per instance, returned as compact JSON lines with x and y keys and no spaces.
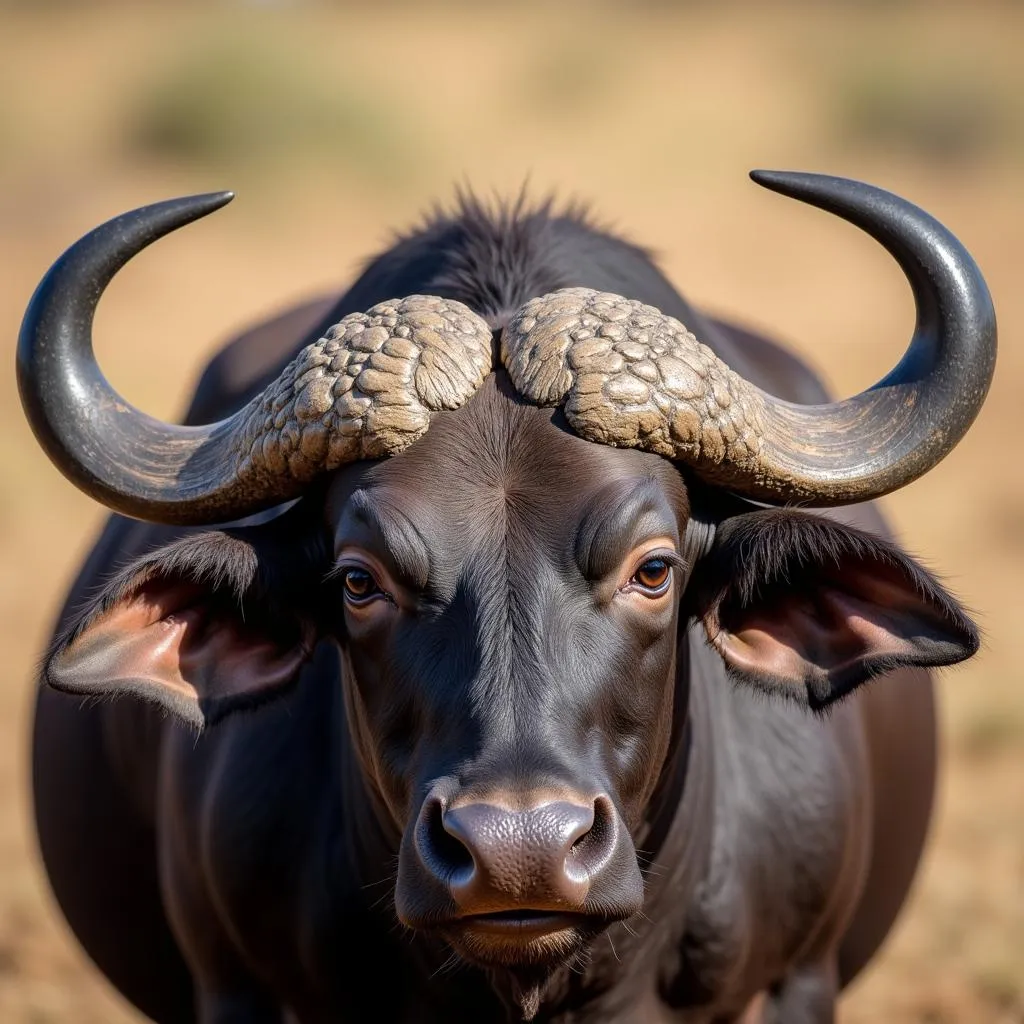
{"x":530,"y":867}
{"x":496,"y":860}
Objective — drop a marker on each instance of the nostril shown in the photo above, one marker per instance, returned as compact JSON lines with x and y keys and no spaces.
{"x":441,"y":851}
{"x":592,"y":837}
{"x":591,"y":850}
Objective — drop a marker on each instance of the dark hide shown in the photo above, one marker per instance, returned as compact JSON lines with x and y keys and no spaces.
{"x":515,"y":723}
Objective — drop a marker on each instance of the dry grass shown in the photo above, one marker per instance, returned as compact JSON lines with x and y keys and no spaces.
{"x":654,"y":112}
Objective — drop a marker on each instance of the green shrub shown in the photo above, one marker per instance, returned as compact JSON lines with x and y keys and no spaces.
{"x":247,"y":101}
{"x":568,"y":79}
{"x":938,"y":111}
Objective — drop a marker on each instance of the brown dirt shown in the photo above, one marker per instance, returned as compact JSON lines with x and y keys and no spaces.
{"x":655,"y":113}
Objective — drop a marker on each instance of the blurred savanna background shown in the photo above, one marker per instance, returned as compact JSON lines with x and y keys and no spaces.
{"x":338,"y":123}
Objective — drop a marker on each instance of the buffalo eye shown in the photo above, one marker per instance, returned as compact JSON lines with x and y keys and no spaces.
{"x":360,"y":586}
{"x":653,"y":577}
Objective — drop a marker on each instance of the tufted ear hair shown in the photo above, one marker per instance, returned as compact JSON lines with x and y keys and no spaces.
{"x":804,"y":606}
{"x":209,"y":624}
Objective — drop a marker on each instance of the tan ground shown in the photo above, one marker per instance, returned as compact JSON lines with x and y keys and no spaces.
{"x":654,"y":112}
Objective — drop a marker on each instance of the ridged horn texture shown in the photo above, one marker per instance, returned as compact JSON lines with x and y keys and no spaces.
{"x":632,"y":377}
{"x":365,"y":390}
{"x":627,"y":375}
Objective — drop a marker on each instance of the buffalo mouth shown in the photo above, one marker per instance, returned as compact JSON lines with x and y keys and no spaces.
{"x":521,"y":921}
{"x":522,"y":938}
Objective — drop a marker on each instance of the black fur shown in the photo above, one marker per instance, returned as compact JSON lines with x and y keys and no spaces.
{"x":278,"y":834}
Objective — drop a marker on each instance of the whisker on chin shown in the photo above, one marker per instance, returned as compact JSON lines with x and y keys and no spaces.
{"x":449,"y":966}
{"x":382,"y":901}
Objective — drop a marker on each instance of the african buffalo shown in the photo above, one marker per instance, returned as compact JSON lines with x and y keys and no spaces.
{"x":523,"y":702}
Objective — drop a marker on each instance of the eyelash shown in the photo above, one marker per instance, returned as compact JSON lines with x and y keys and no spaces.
{"x":345,"y":572}
{"x":636,"y":584}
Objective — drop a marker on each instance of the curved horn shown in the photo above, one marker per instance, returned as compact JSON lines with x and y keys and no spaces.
{"x":632,"y":377}
{"x":365,"y":390}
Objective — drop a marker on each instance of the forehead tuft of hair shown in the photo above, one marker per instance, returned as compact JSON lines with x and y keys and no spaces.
{"x":494,"y":255}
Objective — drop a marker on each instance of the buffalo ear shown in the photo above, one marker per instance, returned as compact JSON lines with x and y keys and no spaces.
{"x":805,"y":606}
{"x":205,"y":626}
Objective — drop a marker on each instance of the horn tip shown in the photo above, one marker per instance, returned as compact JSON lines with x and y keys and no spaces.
{"x":202,"y":204}
{"x":841,"y":196}
{"x":783,"y":181}
{"x":218,"y":199}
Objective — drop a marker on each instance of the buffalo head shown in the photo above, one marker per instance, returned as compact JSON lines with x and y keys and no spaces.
{"x":506,"y":536}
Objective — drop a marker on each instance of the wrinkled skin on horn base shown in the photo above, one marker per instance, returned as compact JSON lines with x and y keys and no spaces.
{"x":630,"y":373}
